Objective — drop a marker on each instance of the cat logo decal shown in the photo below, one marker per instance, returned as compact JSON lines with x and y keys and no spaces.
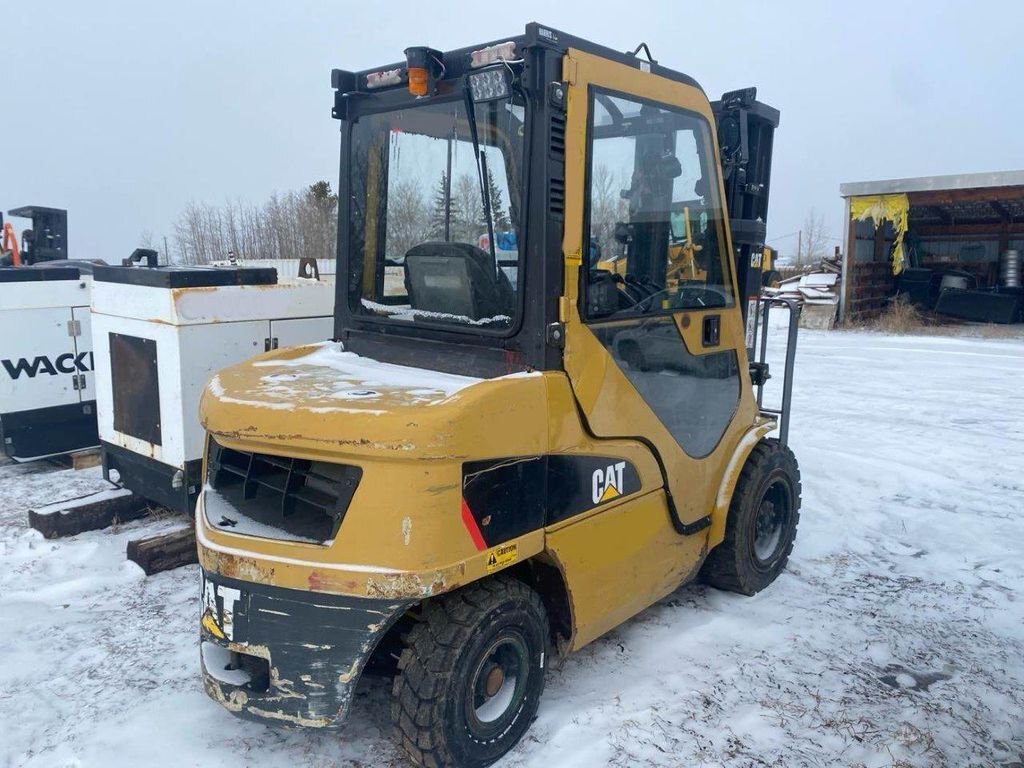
{"x":607,"y":483}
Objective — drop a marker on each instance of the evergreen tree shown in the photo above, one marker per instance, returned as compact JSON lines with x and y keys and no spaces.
{"x":443,"y":204}
{"x":498,"y":216}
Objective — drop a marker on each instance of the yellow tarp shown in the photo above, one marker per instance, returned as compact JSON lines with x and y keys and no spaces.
{"x":893,"y":208}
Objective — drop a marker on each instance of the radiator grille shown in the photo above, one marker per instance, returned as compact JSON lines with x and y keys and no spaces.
{"x":301,"y":499}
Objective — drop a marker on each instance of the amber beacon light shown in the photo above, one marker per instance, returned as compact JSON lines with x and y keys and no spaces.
{"x":424,"y":65}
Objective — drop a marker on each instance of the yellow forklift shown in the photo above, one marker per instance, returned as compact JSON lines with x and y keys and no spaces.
{"x":508,"y":451}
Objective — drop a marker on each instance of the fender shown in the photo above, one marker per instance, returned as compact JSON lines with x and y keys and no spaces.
{"x":731,"y":476}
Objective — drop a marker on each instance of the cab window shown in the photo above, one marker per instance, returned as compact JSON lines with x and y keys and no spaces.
{"x":420,"y":238}
{"x":656,"y":237}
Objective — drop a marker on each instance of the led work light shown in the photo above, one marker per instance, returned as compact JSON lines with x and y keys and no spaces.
{"x":490,"y":84}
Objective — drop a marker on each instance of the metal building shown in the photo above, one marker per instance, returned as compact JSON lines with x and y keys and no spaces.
{"x":960,"y":235}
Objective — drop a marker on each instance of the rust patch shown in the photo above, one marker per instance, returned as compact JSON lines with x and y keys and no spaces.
{"x":305,"y":722}
{"x":233,"y":703}
{"x":241,"y":568}
{"x":416,"y":586}
{"x":242,"y":433}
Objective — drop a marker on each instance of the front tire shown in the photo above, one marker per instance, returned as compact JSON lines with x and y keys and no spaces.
{"x":762,"y":522}
{"x":470,"y":678}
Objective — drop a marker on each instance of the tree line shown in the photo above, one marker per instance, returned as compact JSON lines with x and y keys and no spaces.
{"x":287,"y":226}
{"x":453,"y":212}
{"x":296,"y":224}
{"x":304,"y":223}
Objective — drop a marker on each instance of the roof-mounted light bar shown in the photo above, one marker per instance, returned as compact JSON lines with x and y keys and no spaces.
{"x":384,"y":78}
{"x":492,"y":54}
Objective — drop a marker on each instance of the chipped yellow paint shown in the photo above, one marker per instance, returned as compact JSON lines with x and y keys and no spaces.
{"x":233,"y":703}
{"x":305,"y":722}
{"x":211,"y":625}
{"x":352,"y":672}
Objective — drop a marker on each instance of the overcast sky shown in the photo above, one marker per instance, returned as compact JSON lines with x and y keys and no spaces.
{"x":123,"y":112}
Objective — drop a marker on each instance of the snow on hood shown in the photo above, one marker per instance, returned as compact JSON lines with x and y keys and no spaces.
{"x":328,"y":379}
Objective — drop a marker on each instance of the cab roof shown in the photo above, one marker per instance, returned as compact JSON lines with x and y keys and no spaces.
{"x":536,"y":35}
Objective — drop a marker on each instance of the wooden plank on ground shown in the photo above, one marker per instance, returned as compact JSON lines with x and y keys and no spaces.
{"x":162,"y":553}
{"x":87,"y":513}
{"x":86,"y":459}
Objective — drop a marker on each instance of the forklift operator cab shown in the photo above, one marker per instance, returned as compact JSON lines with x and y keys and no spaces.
{"x":505,"y":452}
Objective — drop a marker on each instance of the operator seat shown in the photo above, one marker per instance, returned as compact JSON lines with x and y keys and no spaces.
{"x":456,"y":279}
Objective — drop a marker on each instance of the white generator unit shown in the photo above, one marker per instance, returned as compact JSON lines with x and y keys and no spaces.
{"x":159,"y":334}
{"x":47,"y":387}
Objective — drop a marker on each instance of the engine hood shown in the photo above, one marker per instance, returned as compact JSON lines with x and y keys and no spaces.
{"x":321,"y":400}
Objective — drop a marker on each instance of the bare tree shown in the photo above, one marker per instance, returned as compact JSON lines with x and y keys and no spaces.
{"x":467,"y":224}
{"x":408,"y":219}
{"x":813,"y":240}
{"x":607,"y":208}
{"x":287,"y":226}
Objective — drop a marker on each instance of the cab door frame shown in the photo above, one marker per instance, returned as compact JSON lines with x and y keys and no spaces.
{"x":600,"y":387}
{"x":625,"y":555}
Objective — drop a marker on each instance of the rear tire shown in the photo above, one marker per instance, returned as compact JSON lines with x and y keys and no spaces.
{"x":771,"y":279}
{"x":470,"y":678}
{"x":762,"y":522}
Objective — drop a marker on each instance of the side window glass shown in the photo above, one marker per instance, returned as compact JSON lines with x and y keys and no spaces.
{"x":656,"y":224}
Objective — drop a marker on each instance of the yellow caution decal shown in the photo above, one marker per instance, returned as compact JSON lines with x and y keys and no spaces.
{"x":501,"y":556}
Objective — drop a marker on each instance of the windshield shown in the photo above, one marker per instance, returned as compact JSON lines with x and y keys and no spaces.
{"x":420,"y":249}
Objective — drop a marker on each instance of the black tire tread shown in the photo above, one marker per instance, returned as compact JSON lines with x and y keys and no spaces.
{"x":720,"y":568}
{"x":432,"y":650}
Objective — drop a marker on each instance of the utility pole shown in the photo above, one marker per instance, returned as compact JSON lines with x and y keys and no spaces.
{"x":167,"y":259}
{"x":800,"y":248}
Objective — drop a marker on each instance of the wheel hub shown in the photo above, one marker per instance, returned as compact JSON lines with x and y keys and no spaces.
{"x":498,"y":684}
{"x":770,"y":523}
{"x":494,"y":681}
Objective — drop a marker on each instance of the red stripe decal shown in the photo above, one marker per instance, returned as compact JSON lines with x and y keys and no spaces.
{"x":474,"y":530}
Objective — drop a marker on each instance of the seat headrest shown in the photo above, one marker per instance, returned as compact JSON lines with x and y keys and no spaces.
{"x":456,"y":279}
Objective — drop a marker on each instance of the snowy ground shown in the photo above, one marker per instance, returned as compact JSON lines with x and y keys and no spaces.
{"x":896,"y":638}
